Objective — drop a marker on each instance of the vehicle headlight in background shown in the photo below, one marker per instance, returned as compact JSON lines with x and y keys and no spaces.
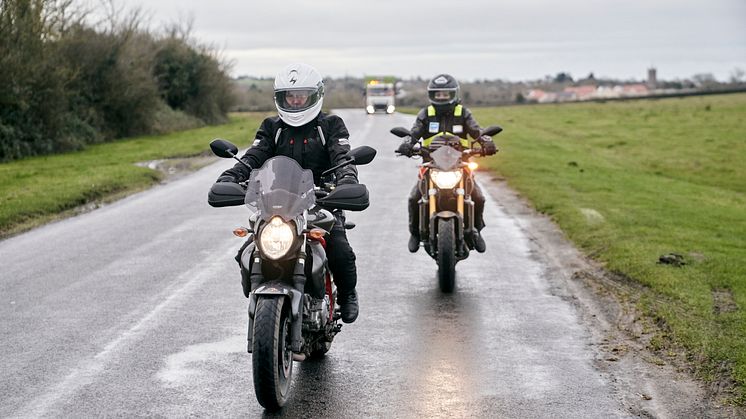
{"x":276,"y":238}
{"x":391,"y":109}
{"x":445,"y":180}
{"x":370,"y":109}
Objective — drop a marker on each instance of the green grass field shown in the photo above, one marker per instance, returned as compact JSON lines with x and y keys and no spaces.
{"x":631,"y":181}
{"x":38,"y":189}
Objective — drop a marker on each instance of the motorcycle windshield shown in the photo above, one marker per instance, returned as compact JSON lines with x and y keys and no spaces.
{"x":446,"y":158}
{"x":280,"y":187}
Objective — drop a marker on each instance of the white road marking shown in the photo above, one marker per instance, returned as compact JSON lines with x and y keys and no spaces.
{"x":88,"y":369}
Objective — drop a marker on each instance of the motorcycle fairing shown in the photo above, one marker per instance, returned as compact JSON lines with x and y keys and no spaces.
{"x":281,"y":187}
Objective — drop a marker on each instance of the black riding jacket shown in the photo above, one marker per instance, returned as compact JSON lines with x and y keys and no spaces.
{"x":317,"y":145}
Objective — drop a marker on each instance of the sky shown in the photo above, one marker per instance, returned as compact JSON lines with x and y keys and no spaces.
{"x":471,"y":39}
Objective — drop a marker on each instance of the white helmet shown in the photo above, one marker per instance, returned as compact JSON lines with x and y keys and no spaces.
{"x":299,"y":94}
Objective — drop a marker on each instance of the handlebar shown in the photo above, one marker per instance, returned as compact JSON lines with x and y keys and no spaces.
{"x":425,"y":152}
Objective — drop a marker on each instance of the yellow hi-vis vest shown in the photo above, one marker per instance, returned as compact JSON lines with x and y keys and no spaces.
{"x":457,"y":113}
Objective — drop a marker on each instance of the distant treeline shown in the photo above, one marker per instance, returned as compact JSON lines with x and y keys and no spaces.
{"x":66,"y":82}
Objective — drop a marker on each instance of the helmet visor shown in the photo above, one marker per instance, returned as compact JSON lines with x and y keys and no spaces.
{"x":297,"y":100}
{"x":442,"y":96}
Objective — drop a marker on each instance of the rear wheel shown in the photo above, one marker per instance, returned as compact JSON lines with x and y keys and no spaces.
{"x":446,"y":255}
{"x":272,"y":358}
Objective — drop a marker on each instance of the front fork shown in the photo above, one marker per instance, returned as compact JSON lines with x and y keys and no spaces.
{"x":428,"y":204}
{"x":296,"y":296}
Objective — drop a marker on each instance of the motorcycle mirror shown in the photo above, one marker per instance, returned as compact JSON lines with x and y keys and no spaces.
{"x":358,"y":155}
{"x":362,"y":154}
{"x":492,"y":130}
{"x":400,"y":132}
{"x":223,"y":148}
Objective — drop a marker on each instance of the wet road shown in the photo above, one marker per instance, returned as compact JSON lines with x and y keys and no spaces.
{"x":135,"y":309}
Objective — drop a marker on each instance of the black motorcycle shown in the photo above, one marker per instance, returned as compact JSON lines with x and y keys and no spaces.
{"x":292,"y":311}
{"x":446,"y":209}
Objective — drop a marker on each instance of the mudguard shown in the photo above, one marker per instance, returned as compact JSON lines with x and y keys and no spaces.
{"x":459,"y":224}
{"x":276,"y":289}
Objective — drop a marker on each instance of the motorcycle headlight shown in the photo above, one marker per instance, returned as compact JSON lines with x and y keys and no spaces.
{"x":445,"y":180}
{"x":276,"y":238}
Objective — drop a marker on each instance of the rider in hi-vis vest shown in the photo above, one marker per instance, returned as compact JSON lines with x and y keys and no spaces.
{"x":445,"y":115}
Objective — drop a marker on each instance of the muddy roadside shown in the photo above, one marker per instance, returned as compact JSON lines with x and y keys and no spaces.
{"x":648,"y":383}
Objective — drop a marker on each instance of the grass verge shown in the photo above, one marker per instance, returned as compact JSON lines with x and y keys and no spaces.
{"x":631,"y":181}
{"x":36,"y":190}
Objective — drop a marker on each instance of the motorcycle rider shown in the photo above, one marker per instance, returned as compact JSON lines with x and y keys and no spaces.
{"x":317,"y":141}
{"x":445,"y":115}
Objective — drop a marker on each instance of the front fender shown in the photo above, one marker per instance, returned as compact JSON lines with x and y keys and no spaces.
{"x":445,"y":215}
{"x":274,"y":289}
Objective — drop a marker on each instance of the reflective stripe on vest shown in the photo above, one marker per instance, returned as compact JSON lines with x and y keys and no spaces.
{"x":457,"y":111}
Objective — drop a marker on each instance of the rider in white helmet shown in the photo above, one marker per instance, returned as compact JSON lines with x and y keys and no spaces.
{"x":317,"y":141}
{"x":299,"y":94}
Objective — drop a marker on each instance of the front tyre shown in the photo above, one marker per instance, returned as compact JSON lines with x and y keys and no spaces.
{"x":272,"y":358}
{"x":446,"y":257}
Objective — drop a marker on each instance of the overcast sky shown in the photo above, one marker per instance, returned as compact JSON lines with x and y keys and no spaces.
{"x":471,"y":39}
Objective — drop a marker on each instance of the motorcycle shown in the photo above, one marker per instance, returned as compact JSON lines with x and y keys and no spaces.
{"x":446,"y":210}
{"x":292,"y":310}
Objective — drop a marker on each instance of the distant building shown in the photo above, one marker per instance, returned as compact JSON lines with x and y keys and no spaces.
{"x":635,"y":90}
{"x":652,"y":78}
{"x":581,"y":92}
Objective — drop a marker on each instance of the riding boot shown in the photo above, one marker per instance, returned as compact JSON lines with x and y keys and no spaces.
{"x":348,"y":306}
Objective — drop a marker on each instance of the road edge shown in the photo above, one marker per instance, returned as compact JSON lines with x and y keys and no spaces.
{"x":645,"y":383}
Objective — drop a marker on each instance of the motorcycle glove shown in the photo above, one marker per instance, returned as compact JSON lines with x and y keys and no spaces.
{"x":405,"y":148}
{"x":346,"y":180}
{"x":226,"y":179}
{"x":489,"y":148}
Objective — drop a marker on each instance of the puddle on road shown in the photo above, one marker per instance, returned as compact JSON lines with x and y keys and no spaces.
{"x":197,"y":363}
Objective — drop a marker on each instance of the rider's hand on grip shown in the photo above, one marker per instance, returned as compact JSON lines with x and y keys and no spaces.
{"x":405,"y":148}
{"x":227,"y":179}
{"x":489,"y":148}
{"x":346,"y":180}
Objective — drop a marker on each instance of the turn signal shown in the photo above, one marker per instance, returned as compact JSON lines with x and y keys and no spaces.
{"x":241,"y":232}
{"x":316,"y":234}
{"x":473,"y":165}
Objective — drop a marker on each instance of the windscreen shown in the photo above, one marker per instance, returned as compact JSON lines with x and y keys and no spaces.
{"x":446,"y":158}
{"x":280,"y":187}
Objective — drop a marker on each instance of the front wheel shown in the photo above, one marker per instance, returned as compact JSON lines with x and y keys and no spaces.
{"x":272,"y":358}
{"x":446,"y":255}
